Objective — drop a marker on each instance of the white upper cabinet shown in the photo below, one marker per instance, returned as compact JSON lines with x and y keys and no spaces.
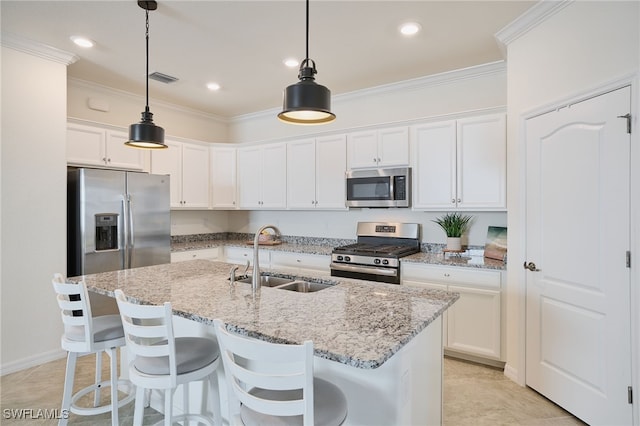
{"x":223,"y":178}
{"x":460,"y":164}
{"x":378,"y":148}
{"x":316,"y":173}
{"x":262,"y":177}
{"x":188,"y":166}
{"x":99,"y":147}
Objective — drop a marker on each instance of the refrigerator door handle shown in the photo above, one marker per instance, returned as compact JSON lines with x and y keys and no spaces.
{"x":131,"y":232}
{"x":125,"y":234}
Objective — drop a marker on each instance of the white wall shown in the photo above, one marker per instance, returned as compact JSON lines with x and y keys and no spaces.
{"x":342,"y":224}
{"x":580,"y":46}
{"x":126,"y":108}
{"x":33,"y":206}
{"x":190,"y":222}
{"x":469,"y":89}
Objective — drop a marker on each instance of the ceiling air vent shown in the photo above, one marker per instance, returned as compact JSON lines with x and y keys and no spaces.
{"x":163,"y":78}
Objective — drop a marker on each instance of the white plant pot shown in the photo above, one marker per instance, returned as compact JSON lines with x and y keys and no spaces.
{"x":454,"y":243}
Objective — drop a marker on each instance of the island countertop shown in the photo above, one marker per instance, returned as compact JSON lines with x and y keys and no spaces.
{"x":354,"y":322}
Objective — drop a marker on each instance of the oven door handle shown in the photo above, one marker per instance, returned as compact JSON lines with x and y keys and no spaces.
{"x":364,"y":269}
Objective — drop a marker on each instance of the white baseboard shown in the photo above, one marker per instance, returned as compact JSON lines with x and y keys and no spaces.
{"x":32,"y":361}
{"x":512,"y":373}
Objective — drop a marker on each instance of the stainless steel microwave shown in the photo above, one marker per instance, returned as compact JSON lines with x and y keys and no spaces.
{"x":379,"y":187}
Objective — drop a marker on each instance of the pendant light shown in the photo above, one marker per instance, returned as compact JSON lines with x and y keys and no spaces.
{"x":145,"y":134}
{"x":307,"y":102}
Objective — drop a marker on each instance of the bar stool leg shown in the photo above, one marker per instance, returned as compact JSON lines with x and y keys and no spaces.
{"x":114,"y":385}
{"x":96,"y":394}
{"x":68,"y":388}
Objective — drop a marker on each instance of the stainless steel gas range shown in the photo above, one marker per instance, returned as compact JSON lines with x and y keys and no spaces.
{"x":376,"y":254}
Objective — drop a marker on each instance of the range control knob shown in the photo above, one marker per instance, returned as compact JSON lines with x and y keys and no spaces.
{"x":347,"y":259}
{"x":339,"y":258}
{"x":385,"y":262}
{"x":376,"y":261}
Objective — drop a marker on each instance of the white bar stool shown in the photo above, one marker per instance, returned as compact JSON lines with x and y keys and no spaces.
{"x":273,"y":384}
{"x":83,"y":335}
{"x":162,"y":361}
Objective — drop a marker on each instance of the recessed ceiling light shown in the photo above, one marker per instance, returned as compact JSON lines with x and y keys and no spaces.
{"x":82,"y":41}
{"x":291,"y":62}
{"x":213,"y":87}
{"x":410,"y":28}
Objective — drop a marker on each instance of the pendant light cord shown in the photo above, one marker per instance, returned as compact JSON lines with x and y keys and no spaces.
{"x":147,"y":76}
{"x":307,"y":58}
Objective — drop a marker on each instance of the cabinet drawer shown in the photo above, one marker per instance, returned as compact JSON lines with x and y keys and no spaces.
{"x":313,"y":262}
{"x":451,"y":275}
{"x":208,"y":254}
{"x":240,"y":255}
{"x":424,"y":284}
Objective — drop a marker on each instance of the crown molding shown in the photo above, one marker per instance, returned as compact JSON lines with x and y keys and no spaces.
{"x":90,"y":85}
{"x":40,"y":50}
{"x":448,"y":77}
{"x":530,"y":19}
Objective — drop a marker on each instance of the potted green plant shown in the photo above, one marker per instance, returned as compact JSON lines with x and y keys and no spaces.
{"x":454,"y":225}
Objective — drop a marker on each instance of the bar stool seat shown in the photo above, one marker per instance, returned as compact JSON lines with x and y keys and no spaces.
{"x":85,"y":335}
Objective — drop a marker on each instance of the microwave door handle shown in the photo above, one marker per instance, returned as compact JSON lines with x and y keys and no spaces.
{"x":392,"y":189}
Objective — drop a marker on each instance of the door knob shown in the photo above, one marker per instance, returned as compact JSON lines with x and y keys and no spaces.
{"x":531,"y":266}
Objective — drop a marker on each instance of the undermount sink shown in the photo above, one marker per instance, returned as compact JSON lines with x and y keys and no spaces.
{"x":268,"y":281}
{"x":304,"y":286}
{"x":287,"y":284}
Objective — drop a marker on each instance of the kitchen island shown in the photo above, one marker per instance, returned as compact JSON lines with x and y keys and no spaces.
{"x":381,"y":343}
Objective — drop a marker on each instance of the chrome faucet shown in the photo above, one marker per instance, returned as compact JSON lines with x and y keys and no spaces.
{"x":232,"y":275}
{"x":255,"y":276}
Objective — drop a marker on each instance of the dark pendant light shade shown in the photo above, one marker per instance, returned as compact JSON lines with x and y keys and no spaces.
{"x":145,"y":134}
{"x":307,"y":102}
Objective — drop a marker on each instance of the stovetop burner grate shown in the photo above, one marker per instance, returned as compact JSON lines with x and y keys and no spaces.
{"x":376,"y":250}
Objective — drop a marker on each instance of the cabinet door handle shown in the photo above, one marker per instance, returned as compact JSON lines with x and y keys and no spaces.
{"x":453,"y":201}
{"x":459,"y":200}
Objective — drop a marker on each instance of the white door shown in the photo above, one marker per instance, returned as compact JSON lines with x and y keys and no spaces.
{"x":274,"y":176}
{"x":434,"y":165}
{"x":482,"y":163}
{"x":223,"y":177}
{"x":393,"y":147}
{"x":331,"y":165}
{"x":301,"y":174}
{"x":249,"y":177}
{"x":169,"y":162}
{"x":577,"y":236}
{"x":195,"y":176}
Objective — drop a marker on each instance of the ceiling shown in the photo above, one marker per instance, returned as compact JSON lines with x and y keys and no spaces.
{"x":242,"y":44}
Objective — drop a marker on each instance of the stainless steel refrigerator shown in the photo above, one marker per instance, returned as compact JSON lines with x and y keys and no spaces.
{"x":116,"y":220}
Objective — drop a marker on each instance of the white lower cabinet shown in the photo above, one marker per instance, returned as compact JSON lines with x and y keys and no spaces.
{"x":473,"y":325}
{"x":299,"y":263}
{"x":240,"y":256}
{"x":207,"y":254}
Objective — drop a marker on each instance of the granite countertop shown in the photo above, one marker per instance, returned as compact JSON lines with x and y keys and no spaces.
{"x":294,"y":247}
{"x":473,"y":258}
{"x":354,"y":322}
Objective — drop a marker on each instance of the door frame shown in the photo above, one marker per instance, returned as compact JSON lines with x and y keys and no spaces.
{"x":518,"y":273}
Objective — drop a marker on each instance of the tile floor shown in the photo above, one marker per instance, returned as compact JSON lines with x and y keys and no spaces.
{"x":473,"y":395}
